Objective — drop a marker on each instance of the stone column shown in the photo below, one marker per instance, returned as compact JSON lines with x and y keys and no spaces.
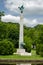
{"x":21,"y":31}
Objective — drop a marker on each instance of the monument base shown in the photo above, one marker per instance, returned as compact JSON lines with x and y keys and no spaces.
{"x":24,"y":64}
{"x":22,"y":52}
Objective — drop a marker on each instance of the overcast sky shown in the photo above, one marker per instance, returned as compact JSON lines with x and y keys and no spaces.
{"x":33,"y":11}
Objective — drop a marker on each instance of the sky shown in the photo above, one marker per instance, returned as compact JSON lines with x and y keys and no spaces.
{"x":33,"y":11}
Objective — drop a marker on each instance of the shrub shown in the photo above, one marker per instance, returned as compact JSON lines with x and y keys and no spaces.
{"x":6,"y":47}
{"x":28,"y":48}
{"x":41,"y":50}
{"x":37,"y":48}
{"x":28,"y":43}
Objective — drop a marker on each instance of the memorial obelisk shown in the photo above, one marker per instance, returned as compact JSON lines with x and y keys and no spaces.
{"x":21,"y":51}
{"x":21,"y":27}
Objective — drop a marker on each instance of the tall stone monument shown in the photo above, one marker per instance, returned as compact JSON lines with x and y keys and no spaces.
{"x":21,"y":28}
{"x":21,"y":51}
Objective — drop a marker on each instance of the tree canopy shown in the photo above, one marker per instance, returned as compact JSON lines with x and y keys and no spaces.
{"x":32,"y":36}
{"x":1,"y":14}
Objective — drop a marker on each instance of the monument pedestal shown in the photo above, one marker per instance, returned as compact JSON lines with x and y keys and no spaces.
{"x":22,"y":52}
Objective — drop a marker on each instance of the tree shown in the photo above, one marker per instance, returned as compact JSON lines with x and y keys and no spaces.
{"x":1,"y":14}
{"x":13,"y":33}
{"x":3,"y":30}
{"x":39,"y":45}
{"x":6,"y":47}
{"x":10,"y":31}
{"x":28,"y":43}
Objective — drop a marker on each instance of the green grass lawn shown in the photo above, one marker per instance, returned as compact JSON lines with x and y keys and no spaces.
{"x":17,"y":57}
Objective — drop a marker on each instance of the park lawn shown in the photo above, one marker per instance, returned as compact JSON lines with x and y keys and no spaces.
{"x":18,"y":57}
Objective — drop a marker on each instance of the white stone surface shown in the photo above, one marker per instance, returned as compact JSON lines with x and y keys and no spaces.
{"x":25,"y":54}
{"x":21,"y":30}
{"x":24,"y":64}
{"x":22,"y":52}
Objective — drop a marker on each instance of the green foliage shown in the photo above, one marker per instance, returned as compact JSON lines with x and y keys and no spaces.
{"x":36,"y":34}
{"x":39,"y":45}
{"x":30,"y":33}
{"x":28,"y":43}
{"x":37,"y":49}
{"x":13,"y":33}
{"x":10,"y":31}
{"x":41,"y":49}
{"x":6,"y":47}
{"x":3,"y":30}
{"x":1,"y":14}
{"x":32,"y":36}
